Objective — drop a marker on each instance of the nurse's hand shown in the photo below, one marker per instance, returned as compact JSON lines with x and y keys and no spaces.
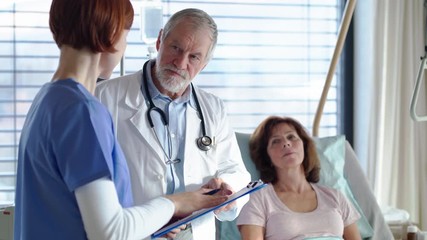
{"x":225,"y":190}
{"x":189,"y":202}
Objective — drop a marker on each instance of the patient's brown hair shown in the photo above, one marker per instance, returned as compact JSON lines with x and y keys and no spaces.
{"x":258,"y":144}
{"x":95,"y":24}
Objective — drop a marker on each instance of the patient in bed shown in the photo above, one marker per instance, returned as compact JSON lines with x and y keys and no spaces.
{"x":292,"y":205}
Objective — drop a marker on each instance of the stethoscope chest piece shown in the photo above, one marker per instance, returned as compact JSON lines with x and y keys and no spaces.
{"x":204,"y":143}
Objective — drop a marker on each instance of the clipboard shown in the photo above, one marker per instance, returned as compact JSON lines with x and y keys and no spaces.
{"x":251,"y":187}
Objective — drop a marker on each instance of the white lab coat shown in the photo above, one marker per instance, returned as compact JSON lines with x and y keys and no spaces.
{"x":124,"y":99}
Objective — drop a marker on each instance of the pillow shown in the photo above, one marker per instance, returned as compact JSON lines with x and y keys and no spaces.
{"x":331,"y":151}
{"x":243,"y":141}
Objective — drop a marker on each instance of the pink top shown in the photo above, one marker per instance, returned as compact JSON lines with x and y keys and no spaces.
{"x":332,"y":214}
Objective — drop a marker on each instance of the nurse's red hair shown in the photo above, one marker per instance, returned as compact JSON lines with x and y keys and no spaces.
{"x":95,"y":24}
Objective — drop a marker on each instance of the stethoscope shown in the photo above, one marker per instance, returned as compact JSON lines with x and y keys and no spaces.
{"x":204,"y":142}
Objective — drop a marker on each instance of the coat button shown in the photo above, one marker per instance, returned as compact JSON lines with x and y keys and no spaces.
{"x":160,"y":177}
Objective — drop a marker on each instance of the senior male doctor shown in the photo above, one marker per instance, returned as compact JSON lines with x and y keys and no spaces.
{"x":176,"y":137}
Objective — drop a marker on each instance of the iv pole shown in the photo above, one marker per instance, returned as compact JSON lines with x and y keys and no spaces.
{"x":345,"y":23}
{"x":122,"y":66}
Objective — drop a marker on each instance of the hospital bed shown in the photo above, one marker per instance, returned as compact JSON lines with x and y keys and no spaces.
{"x":353,"y":175}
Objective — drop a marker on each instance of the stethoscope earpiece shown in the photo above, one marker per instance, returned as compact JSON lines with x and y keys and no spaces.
{"x":204,"y":143}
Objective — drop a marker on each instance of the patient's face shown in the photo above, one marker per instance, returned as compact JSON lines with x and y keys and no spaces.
{"x":285,"y":147}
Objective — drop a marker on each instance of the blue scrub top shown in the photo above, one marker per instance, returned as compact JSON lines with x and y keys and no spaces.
{"x":67,"y":141}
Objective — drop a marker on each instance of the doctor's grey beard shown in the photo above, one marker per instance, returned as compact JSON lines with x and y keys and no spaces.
{"x":172,"y":84}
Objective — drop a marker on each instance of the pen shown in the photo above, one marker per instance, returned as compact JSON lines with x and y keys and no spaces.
{"x":212,"y":192}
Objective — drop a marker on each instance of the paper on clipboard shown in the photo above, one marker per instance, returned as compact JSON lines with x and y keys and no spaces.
{"x":251,"y":187}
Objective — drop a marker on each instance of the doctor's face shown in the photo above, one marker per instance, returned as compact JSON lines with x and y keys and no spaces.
{"x":181,"y":56}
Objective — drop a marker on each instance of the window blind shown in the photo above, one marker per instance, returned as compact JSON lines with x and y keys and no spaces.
{"x":272,"y":58}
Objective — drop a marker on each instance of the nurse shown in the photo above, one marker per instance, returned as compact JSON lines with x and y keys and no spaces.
{"x":73,"y":181}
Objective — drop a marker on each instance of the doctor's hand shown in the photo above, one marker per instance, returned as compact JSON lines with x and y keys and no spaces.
{"x":224,"y":190}
{"x":189,"y":202}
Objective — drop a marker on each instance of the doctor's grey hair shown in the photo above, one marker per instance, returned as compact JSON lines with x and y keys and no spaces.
{"x":199,"y":19}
